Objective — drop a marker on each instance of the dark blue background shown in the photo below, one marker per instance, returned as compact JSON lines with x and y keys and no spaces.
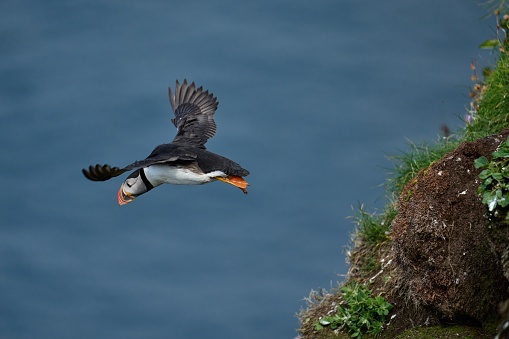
{"x":313,"y":96}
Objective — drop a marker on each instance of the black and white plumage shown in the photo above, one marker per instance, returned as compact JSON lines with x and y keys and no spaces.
{"x":184,"y":161}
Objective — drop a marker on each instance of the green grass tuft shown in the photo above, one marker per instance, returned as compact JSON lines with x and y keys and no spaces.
{"x":493,"y":114}
{"x":372,"y":228}
{"x":409,"y":163}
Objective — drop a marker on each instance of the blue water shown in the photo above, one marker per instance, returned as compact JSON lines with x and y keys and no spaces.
{"x":313,"y":96}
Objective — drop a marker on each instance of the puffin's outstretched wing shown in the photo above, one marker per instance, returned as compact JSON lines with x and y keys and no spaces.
{"x":194,"y":114}
{"x":106,"y":172}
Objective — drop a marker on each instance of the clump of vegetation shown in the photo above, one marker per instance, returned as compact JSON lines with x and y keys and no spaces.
{"x":418,"y":157}
{"x":359,"y":314}
{"x":490,"y":104}
{"x":374,"y":228}
{"x":494,"y":188}
{"x":492,"y":113}
{"x":372,"y":231}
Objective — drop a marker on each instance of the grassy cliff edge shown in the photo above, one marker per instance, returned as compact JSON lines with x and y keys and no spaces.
{"x":414,"y":255}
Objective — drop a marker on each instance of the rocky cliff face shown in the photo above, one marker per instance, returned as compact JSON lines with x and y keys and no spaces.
{"x":446,"y":244}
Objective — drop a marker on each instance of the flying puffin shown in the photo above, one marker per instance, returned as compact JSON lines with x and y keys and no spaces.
{"x":184,"y":161}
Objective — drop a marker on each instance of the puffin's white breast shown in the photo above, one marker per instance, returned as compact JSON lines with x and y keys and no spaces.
{"x":164,"y":174}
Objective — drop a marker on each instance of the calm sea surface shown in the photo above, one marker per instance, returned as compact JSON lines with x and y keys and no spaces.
{"x":313,"y":96}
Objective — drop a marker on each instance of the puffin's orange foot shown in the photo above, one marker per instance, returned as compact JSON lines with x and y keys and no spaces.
{"x":235,"y":181}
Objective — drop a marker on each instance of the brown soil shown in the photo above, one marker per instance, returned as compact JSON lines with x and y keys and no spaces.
{"x":442,"y":239}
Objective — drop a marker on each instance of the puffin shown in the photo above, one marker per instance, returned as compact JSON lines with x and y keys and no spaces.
{"x":185,"y":160}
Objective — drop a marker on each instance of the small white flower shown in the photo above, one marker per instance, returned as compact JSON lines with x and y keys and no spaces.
{"x":492,"y":205}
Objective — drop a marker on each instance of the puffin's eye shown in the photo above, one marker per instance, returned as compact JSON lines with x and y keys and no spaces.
{"x":130,"y":182}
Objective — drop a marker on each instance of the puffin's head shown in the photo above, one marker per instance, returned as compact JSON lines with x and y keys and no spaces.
{"x":135,"y":185}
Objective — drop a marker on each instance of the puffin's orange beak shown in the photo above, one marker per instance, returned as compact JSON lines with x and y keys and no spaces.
{"x":235,"y":181}
{"x":123,"y":197}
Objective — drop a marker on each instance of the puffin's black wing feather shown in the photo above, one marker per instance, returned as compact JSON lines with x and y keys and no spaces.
{"x":194,"y":114}
{"x":102,"y":172}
